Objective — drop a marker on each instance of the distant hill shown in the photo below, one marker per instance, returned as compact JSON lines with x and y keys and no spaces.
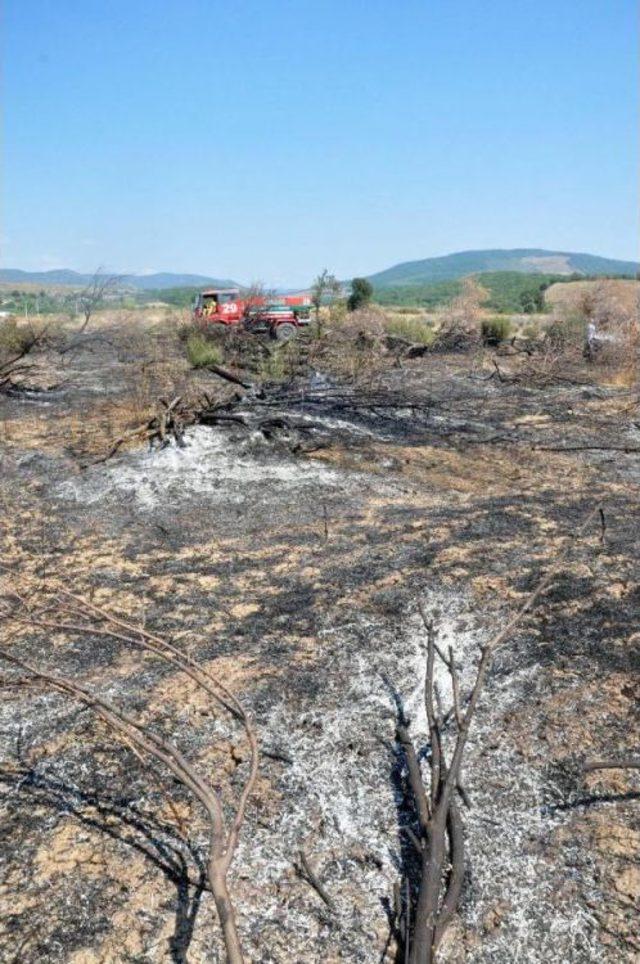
{"x":142,"y":282}
{"x":525,"y":260}
{"x":449,"y":268}
{"x":167,"y":280}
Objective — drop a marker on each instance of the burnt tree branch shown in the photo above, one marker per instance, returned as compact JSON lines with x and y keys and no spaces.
{"x":69,"y":612}
{"x":442,"y":862}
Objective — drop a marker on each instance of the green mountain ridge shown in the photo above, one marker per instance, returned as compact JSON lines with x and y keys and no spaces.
{"x":451,"y":267}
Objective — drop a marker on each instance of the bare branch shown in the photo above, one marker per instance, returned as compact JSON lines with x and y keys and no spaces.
{"x":454,"y":688}
{"x":415,"y":776}
{"x":434,"y":730}
{"x":93,"y":294}
{"x":626,"y":763}
{"x":306,"y":870}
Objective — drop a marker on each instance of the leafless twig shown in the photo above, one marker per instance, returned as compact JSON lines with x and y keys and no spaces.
{"x":306,"y":870}
{"x":625,"y":763}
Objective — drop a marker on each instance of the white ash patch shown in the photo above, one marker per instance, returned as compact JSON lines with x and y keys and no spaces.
{"x":211,"y":464}
{"x":513,"y":868}
{"x":351,"y":428}
{"x":338,"y":797}
{"x":338,"y":802}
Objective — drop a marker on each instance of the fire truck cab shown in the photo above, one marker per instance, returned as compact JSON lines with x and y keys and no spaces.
{"x":219,"y":305}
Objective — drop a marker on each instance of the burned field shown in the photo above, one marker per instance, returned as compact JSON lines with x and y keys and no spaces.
{"x":296,"y":538}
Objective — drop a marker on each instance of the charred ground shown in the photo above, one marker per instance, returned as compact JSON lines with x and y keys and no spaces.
{"x":290,"y":549}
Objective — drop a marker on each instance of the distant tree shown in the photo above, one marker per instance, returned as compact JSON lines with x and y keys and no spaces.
{"x":93,"y":295}
{"x":361,"y":294}
{"x":532,"y":300}
{"x":326,"y":287}
{"x":26,"y":302}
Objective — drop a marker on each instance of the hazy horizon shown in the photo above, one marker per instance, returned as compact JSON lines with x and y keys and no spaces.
{"x":286,"y":285}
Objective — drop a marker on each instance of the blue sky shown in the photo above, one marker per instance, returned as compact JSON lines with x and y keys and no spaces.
{"x":267,"y":139}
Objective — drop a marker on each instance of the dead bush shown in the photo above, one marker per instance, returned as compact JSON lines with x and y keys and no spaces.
{"x":352,"y":346}
{"x":457,"y":336}
{"x":18,"y":343}
{"x":12,"y":337}
{"x":327,"y":316}
{"x":615,"y":350}
{"x":154,"y":367}
{"x":458,"y":322}
{"x":620,"y":357}
{"x":463,"y":311}
{"x":603,"y":304}
{"x":369,"y":320}
{"x":18,"y":339}
{"x":565,"y":333}
{"x":617,"y":327}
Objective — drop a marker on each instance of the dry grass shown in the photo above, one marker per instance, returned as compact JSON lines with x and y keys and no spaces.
{"x":570,"y":294}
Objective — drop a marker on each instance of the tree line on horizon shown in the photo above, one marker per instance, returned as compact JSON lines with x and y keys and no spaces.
{"x":507,"y":292}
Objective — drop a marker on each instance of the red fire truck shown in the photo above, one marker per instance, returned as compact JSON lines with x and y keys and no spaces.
{"x":280,"y":317}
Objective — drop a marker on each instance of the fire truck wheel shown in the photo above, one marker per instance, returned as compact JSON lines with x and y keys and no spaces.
{"x":283,"y":332}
